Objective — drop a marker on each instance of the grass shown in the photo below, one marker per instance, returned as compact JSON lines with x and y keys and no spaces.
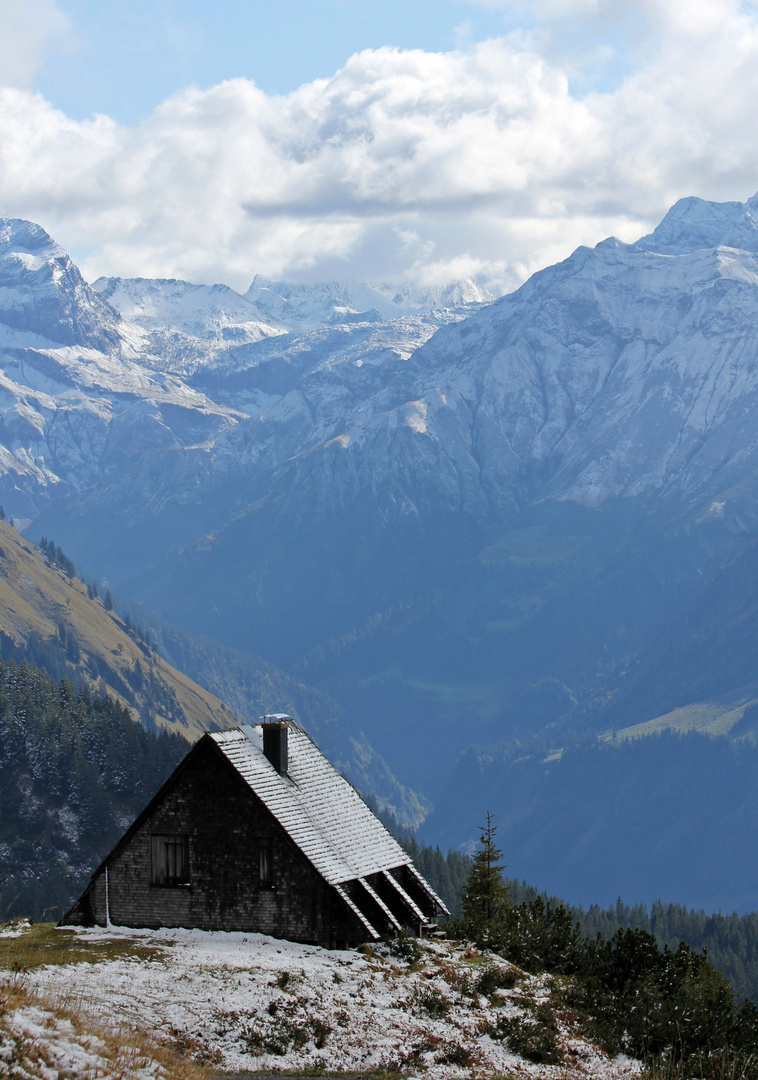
{"x":706,"y":717}
{"x":44,"y":944}
{"x":39,"y":1031}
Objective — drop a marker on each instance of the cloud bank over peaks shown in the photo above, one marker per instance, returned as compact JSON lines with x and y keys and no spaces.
{"x":405,"y":165}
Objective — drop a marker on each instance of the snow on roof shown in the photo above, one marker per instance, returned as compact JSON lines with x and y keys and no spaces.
{"x":321,"y":812}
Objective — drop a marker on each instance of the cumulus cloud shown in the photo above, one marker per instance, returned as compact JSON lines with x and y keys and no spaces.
{"x":484,"y":161}
{"x":30,"y":30}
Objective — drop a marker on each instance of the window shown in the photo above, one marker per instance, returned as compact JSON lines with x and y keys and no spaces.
{"x":169,"y":860}
{"x":266,"y":864}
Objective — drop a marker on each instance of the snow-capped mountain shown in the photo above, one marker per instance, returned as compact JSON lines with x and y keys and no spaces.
{"x":212,"y":312}
{"x":75,"y":404}
{"x":43,"y":297}
{"x":620,"y":372}
{"x":305,"y":307}
{"x":94,"y":377}
{"x":463,"y":510}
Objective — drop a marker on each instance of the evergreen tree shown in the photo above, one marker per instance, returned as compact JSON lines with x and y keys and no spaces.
{"x":485,"y":894}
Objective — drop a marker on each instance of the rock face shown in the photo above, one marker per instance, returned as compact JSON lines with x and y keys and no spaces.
{"x":42,"y":293}
{"x":77,"y":399}
{"x":93,"y":378}
{"x":458,"y":517}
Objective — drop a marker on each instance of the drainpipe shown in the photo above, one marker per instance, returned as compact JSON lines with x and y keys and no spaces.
{"x":107,"y":903}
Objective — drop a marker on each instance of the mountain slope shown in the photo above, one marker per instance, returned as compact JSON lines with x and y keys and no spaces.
{"x":176,"y":682}
{"x":668,"y":817}
{"x":495,"y":519}
{"x":472,"y":526}
{"x":47,"y":615}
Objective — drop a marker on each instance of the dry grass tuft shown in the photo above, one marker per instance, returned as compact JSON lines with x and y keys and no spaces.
{"x":43,"y":1035}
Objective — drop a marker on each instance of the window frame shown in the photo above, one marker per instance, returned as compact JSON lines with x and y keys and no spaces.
{"x":169,"y":851}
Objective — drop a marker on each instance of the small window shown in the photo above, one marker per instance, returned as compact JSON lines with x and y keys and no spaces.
{"x":169,"y":860}
{"x":266,"y":865}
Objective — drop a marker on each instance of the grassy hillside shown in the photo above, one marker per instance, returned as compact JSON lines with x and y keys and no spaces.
{"x":47,"y":615}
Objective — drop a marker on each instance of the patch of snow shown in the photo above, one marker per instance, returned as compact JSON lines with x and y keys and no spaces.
{"x":15,"y":928}
{"x":253,"y":1002}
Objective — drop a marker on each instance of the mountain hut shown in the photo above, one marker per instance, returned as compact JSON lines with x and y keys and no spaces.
{"x":255,"y":830}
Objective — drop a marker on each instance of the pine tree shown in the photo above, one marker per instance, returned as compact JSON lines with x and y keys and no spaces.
{"x":485,"y":894}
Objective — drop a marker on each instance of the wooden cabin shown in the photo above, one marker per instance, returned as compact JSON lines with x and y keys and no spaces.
{"x":255,"y":830}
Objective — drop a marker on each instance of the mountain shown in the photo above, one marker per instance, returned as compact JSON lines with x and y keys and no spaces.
{"x":75,"y":405}
{"x":97,"y":379}
{"x":493,"y":518}
{"x":49,"y":616}
{"x":164,"y":678}
{"x":670,"y":815}
{"x":185,"y":325}
{"x":43,"y":297}
{"x":472,"y":525}
{"x":306,"y":307}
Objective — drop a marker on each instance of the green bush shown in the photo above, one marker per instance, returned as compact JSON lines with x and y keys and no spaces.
{"x":493,"y":977}
{"x":532,"y":1037}
{"x":406,"y":948}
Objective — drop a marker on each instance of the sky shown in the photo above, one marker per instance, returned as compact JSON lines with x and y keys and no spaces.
{"x":417,"y":142}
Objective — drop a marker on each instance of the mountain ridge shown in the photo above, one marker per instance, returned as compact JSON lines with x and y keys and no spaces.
{"x":469,"y":525}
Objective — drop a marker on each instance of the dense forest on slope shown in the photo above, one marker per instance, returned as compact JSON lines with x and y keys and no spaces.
{"x":75,"y":769}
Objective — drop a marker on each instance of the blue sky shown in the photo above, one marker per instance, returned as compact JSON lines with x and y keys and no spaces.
{"x":126,"y":57}
{"x":414,"y":142}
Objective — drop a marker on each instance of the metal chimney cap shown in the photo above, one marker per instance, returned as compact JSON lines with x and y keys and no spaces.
{"x":275,"y":718}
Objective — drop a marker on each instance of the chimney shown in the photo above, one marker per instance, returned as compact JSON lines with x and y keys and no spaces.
{"x":275,"y":730}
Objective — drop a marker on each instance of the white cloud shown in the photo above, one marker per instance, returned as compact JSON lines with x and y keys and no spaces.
{"x":412,"y":163}
{"x":30,"y":30}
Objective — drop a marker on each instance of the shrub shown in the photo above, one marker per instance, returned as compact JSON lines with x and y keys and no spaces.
{"x":454,"y":1054}
{"x":433,"y":1002}
{"x":532,"y":1037}
{"x":406,"y":948}
{"x":493,"y":977}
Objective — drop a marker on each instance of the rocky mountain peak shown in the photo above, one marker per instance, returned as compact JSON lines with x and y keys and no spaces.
{"x":43,"y":293}
{"x":693,"y":224}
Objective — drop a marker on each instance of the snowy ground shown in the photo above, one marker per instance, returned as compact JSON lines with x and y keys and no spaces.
{"x":248,"y":1002}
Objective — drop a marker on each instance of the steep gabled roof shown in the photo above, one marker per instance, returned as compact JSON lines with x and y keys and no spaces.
{"x":321,"y":812}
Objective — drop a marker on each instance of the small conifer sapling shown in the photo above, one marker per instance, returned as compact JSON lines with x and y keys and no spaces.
{"x":485,"y":894}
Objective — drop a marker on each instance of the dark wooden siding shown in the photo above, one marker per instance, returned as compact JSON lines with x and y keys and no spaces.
{"x":225,"y":824}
